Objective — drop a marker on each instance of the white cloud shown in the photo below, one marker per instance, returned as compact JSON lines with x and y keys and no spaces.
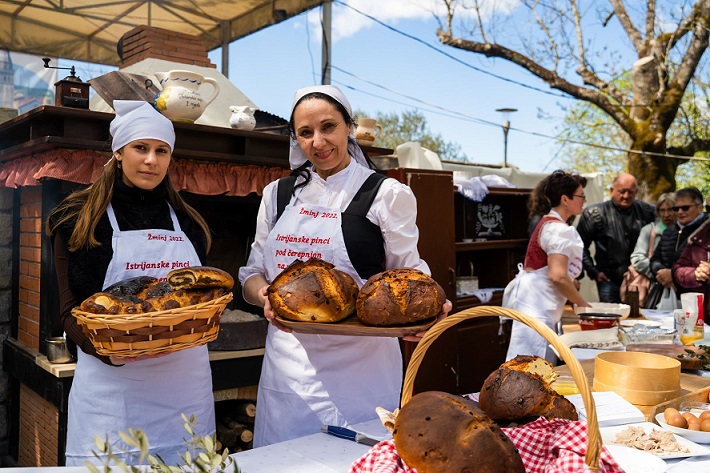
{"x":347,"y":22}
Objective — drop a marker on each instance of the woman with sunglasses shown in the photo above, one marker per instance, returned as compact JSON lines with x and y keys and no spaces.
{"x":689,"y":212}
{"x":552,"y":261}
{"x":692,"y":270}
{"x":647,"y":242}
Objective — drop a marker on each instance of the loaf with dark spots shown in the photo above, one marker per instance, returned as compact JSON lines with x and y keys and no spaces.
{"x":437,"y":432}
{"x":200,"y":277}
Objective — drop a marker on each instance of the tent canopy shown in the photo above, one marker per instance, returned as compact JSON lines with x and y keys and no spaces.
{"x":89,"y":30}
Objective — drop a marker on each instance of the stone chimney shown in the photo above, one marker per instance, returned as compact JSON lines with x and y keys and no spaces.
{"x":145,"y":42}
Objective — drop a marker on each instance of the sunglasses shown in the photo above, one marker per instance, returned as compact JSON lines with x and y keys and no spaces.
{"x":684,"y":208}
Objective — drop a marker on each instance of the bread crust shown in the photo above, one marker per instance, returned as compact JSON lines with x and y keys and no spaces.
{"x":145,"y":294}
{"x":399,"y":296}
{"x":513,"y":393}
{"x":313,"y":291}
{"x":200,"y":277}
{"x":437,"y":432}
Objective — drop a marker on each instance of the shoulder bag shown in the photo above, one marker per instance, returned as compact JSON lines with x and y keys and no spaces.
{"x":635,"y":281}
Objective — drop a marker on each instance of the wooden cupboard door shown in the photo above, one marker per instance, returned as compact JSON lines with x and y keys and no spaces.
{"x":434,"y":191}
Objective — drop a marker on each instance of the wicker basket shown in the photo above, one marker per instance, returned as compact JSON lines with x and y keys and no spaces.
{"x":594,"y":445}
{"x":129,"y":335}
{"x":466,"y":284}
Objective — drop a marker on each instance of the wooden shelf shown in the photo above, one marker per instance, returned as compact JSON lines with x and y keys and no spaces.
{"x":491,"y":245}
{"x":466,"y":302}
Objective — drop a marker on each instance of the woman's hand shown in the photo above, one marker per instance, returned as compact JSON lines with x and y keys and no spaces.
{"x":270,"y":314}
{"x":445,"y":309}
{"x":702,"y":272}
{"x":665,"y":277}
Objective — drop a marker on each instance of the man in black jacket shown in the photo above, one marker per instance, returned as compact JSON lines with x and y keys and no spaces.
{"x":689,"y":213}
{"x":613,"y":226}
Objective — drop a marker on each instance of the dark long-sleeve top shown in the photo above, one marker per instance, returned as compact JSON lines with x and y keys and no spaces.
{"x":672,"y":243}
{"x":697,"y":249}
{"x":81,"y":273}
{"x":614,"y":232}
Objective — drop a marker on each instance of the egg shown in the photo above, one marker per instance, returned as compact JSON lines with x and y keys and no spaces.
{"x":689,"y":416}
{"x":694,"y":425}
{"x":704,"y":415}
{"x":670,"y":412}
{"x":677,"y":420}
{"x":705,"y":425}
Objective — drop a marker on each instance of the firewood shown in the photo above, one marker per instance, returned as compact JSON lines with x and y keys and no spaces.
{"x":246,"y":436}
{"x":226,"y":435}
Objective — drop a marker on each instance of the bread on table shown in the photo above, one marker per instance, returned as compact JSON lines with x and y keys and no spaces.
{"x":520,"y":390}
{"x":313,"y":291}
{"x":399,"y":296}
{"x":437,"y":432}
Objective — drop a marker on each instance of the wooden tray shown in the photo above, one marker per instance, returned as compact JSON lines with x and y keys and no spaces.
{"x":701,"y":395}
{"x":671,"y":351}
{"x":353,"y":326}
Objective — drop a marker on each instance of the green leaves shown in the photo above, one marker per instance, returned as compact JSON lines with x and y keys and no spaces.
{"x":201,"y":455}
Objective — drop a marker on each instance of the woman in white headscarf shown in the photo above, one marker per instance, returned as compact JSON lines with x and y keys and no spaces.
{"x":96,"y":232}
{"x":311,"y":380}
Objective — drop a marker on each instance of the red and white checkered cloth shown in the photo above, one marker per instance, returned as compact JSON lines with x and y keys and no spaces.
{"x":545,"y":446}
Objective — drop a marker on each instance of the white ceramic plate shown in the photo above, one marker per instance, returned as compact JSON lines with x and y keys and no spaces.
{"x":632,"y":460}
{"x":694,"y":450}
{"x":692,"y":435}
{"x":644,"y":322}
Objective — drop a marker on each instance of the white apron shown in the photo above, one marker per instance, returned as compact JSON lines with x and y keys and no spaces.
{"x":310,"y":380}
{"x":148,"y":394}
{"x":534,"y":294}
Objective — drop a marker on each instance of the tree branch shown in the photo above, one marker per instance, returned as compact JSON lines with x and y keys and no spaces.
{"x":696,"y":48}
{"x":628,"y":26}
{"x":696,"y":145}
{"x":599,"y":97}
{"x":650,"y":19}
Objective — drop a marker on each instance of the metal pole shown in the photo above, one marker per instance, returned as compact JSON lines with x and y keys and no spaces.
{"x":506,"y":128}
{"x":327,"y":9}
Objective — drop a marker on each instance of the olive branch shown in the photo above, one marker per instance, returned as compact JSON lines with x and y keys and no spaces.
{"x":208,"y":460}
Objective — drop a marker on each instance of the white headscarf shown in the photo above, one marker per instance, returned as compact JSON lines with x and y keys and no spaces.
{"x":296,"y":157}
{"x":138,"y":120}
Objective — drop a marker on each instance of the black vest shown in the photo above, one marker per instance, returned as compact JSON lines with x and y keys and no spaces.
{"x":363,"y":239}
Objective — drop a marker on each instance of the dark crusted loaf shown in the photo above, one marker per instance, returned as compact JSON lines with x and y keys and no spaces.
{"x":399,"y":296}
{"x":437,"y":432}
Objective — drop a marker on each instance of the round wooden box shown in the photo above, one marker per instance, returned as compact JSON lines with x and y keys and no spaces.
{"x":641,"y":378}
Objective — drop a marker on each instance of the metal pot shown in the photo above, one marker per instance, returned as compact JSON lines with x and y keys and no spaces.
{"x":57,"y":351}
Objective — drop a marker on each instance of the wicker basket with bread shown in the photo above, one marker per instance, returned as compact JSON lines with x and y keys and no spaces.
{"x":439,"y":432}
{"x":144,"y":315}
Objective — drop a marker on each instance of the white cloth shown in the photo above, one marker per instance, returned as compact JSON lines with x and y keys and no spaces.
{"x":149,"y":394}
{"x":296,"y":157}
{"x":534,"y":294}
{"x":138,"y":120}
{"x":310,"y":380}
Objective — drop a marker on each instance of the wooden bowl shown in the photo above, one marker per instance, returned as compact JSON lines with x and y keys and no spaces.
{"x":644,"y":379}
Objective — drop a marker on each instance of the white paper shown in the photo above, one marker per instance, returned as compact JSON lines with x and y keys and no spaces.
{"x":611,"y":408}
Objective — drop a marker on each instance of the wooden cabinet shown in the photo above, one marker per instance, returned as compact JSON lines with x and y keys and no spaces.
{"x":462,"y":357}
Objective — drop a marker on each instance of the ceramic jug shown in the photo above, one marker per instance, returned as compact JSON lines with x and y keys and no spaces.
{"x":367,"y":130}
{"x":180,"y":99}
{"x":242,"y":117}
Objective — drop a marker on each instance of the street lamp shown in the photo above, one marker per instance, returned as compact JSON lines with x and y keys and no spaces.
{"x":506,"y":127}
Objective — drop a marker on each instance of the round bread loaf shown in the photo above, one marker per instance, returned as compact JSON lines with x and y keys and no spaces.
{"x":399,"y":296}
{"x":520,"y":390}
{"x":313,"y":291}
{"x":437,"y":432}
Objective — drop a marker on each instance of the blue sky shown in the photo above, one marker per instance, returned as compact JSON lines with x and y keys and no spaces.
{"x":381,"y":70}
